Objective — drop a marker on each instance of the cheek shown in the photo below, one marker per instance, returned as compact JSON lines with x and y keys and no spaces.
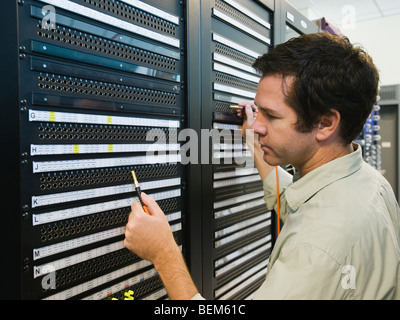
{"x":300,"y":145}
{"x":285,"y":140}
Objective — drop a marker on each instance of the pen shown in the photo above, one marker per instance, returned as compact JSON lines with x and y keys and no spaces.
{"x":237,"y":107}
{"x":137,"y":188}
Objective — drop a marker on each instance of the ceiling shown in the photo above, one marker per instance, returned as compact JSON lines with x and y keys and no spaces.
{"x":345,"y":12}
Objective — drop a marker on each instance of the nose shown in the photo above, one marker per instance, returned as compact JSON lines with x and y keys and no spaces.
{"x":258,"y":127}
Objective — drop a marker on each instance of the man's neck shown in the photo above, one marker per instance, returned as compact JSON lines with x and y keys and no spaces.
{"x":325,"y":153}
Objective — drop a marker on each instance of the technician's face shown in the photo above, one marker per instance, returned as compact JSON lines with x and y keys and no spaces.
{"x":275,"y":125}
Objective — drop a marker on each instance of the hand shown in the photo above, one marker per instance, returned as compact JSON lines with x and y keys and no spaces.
{"x":149,"y":235}
{"x":248,"y":116}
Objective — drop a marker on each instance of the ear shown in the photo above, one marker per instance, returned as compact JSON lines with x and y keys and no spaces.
{"x":328,"y":125}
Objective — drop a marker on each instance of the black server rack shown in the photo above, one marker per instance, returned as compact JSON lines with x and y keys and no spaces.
{"x":388,"y":148}
{"x":293,"y":23}
{"x":91,"y":90}
{"x":236,"y":226}
{"x":370,"y":139}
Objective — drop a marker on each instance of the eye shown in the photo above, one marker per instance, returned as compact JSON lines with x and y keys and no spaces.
{"x":270,"y":116}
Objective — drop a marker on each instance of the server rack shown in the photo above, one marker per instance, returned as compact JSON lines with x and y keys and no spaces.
{"x":293,"y":23}
{"x":369,"y":139}
{"x":236,"y":227}
{"x":92,"y":89}
{"x":389,"y":131}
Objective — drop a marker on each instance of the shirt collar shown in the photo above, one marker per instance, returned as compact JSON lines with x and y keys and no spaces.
{"x":304,"y":188}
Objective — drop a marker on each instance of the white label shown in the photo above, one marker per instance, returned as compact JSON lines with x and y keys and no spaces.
{"x":234,"y":63}
{"x":232,"y":90}
{"x":69,"y":117}
{"x":289,"y":16}
{"x":53,"y":149}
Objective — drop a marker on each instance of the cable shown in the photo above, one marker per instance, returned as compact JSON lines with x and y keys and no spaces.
{"x":277,"y":201}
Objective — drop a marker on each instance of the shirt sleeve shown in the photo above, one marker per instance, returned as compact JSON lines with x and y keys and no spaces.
{"x":198,"y":296}
{"x":303,"y":272}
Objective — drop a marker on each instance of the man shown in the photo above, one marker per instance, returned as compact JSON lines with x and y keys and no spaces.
{"x":341,"y":233}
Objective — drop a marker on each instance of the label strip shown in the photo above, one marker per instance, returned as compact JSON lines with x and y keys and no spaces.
{"x":68,"y":165}
{"x":236,"y":181}
{"x":55,"y":149}
{"x":56,"y":198}
{"x":48,"y":217}
{"x":69,"y":117}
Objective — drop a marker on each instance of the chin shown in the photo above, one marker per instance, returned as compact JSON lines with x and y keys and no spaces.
{"x":271,"y":162}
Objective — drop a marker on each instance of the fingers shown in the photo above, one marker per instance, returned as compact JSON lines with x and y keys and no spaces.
{"x":152,"y":207}
{"x":147,"y":235}
{"x":249,"y":111}
{"x":136,"y":207}
{"x":151,"y":204}
{"x":148,"y":201}
{"x":242,"y":112}
{"x":244,"y":103}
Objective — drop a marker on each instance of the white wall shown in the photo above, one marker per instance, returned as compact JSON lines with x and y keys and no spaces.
{"x":381,"y":39}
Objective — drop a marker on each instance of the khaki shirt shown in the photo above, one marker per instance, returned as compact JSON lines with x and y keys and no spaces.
{"x":341,"y":234}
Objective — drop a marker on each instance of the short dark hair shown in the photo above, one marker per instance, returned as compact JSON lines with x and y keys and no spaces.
{"x":328,"y":72}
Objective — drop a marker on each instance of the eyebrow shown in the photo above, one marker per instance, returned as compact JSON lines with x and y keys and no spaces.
{"x":266,"y":109}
